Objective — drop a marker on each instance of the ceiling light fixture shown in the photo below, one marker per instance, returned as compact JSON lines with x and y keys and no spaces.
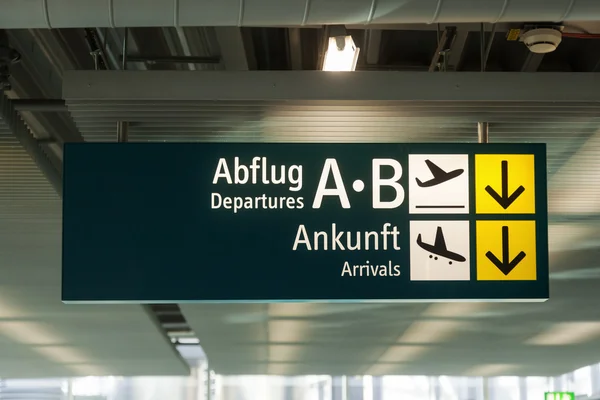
{"x":567,"y":333}
{"x":489,"y":370}
{"x":341,"y":53}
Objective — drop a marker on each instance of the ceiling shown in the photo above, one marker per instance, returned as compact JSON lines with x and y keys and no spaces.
{"x":448,"y":339}
{"x":40,"y":336}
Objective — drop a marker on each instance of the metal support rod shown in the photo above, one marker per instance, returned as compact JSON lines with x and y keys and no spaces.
{"x":482,"y":132}
{"x":39,"y":105}
{"x":489,"y":47}
{"x":122,"y":131}
{"x":440,"y":58}
{"x":96,"y":54}
{"x":482,"y":46}
{"x":124,"y":55}
{"x":173,"y":59}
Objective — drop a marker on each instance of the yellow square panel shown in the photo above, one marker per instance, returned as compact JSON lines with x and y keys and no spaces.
{"x":504,"y":184}
{"x":506,"y":251}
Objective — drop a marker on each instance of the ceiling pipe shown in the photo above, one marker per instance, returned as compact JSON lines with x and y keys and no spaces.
{"x":21,"y":14}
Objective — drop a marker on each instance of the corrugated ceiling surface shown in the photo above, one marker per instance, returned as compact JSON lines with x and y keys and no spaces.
{"x":40,"y":336}
{"x":403,"y":339}
{"x":564,"y":127}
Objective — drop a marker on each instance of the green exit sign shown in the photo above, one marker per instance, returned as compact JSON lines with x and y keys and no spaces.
{"x":559,"y":396}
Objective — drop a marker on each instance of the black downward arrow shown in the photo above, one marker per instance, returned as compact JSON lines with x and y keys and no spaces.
{"x":505,"y":200}
{"x":505,"y":265}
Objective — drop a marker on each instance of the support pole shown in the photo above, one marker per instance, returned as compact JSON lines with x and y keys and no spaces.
{"x":482,"y":46}
{"x":122,"y":131}
{"x":123,"y":126}
{"x":482,"y":132}
{"x":124,"y":55}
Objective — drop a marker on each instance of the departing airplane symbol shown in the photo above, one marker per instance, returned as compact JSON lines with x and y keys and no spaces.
{"x":438,"y":248}
{"x":439,"y":175}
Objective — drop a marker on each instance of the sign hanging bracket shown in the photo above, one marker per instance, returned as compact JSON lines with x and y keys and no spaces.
{"x":482,"y":132}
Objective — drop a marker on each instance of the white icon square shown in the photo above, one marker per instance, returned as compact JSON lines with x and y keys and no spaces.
{"x":438,"y":184}
{"x":439,"y":251}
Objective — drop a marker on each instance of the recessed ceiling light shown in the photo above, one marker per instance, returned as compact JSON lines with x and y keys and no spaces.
{"x":566,"y":333}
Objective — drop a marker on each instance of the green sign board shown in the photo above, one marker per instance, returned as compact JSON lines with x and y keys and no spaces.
{"x":559,"y":396}
{"x":269,"y":222}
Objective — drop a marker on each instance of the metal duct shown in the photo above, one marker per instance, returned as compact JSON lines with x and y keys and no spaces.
{"x":163,"y":13}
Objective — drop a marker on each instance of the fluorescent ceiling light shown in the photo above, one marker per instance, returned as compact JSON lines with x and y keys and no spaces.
{"x":189,"y":340}
{"x":286,"y":310}
{"x":567,"y":333}
{"x":285,"y":353}
{"x":453,"y":310}
{"x":288,"y":331}
{"x":341,"y":54}
{"x":62,"y":354}
{"x":280,"y":369}
{"x":28,"y":332}
{"x":433,"y":331}
{"x":401,"y":354}
{"x":489,"y":370}
{"x":383,"y":369}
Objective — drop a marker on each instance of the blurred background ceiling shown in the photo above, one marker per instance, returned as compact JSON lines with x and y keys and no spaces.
{"x":39,"y":336}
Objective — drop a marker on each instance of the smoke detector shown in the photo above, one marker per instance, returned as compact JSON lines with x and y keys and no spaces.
{"x":542,"y":40}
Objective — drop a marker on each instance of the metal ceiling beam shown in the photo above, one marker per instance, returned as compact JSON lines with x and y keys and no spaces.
{"x":456,"y":53}
{"x":317,"y":85}
{"x":185,"y":46}
{"x":40,"y":105}
{"x":237,"y":53}
{"x":532,"y":62}
{"x":439,"y":61}
{"x":154,"y":59}
{"x":146,"y":41}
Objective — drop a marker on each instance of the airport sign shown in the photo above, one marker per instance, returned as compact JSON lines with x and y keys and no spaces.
{"x":266,"y":222}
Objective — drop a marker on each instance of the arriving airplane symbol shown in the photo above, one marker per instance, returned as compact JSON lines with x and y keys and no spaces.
{"x":439,"y":175}
{"x":505,"y":265}
{"x":504,"y":199}
{"x":439,"y":247}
